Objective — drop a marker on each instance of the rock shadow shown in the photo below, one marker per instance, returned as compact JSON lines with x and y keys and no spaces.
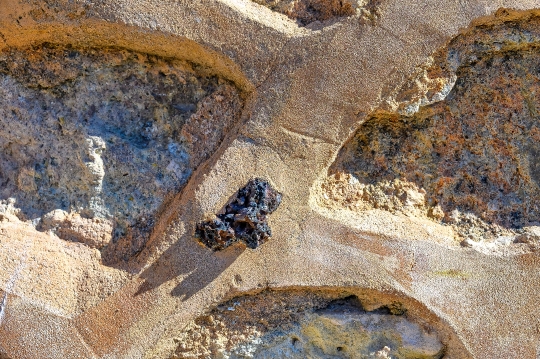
{"x":210,"y":247}
{"x":187,"y":258}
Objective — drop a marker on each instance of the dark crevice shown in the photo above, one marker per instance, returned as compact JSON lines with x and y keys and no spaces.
{"x":315,"y":14}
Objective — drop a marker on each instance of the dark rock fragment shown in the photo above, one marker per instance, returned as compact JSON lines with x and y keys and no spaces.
{"x":245,"y":218}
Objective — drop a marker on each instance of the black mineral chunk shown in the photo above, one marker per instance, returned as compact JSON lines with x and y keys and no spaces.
{"x":245,"y":218}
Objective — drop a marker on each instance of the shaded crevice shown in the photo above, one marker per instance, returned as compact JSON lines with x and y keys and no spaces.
{"x":320,"y":13}
{"x":309,"y":323}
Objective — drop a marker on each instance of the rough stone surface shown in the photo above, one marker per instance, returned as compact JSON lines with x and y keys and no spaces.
{"x":106,"y":135}
{"x":399,"y":134}
{"x":321,"y":12}
{"x":296,"y":325}
{"x":469,"y":161}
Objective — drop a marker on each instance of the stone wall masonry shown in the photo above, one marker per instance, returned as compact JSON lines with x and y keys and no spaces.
{"x":398,"y":136}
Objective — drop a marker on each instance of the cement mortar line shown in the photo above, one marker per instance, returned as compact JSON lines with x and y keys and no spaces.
{"x":160,"y":293}
{"x":229,"y":38}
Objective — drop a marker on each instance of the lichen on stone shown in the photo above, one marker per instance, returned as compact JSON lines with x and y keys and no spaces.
{"x":468,"y":160}
{"x":245,"y":218}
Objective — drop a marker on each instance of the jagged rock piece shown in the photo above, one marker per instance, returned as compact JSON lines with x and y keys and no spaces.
{"x":245,"y":219}
{"x":94,"y":232}
{"x":9,"y":211}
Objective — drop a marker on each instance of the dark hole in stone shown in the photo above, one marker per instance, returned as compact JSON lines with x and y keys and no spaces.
{"x":309,"y":324}
{"x":351,"y":302}
{"x":244,"y":220}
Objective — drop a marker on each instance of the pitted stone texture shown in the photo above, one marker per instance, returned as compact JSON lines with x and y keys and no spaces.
{"x":104,"y":134}
{"x":321,"y":12}
{"x":311,"y":91}
{"x":289,"y":325}
{"x":469,"y":161}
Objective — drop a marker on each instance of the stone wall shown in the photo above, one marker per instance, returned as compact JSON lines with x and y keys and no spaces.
{"x":269,"y":179}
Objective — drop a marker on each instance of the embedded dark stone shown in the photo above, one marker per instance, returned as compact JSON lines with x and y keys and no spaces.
{"x":245,"y":218}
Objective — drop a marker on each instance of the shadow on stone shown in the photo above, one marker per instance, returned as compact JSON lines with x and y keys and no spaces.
{"x":186,"y":258}
{"x":244,"y":224}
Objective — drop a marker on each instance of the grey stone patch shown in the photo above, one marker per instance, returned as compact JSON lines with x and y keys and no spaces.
{"x":319,"y":327}
{"x":104,"y":134}
{"x":345,"y":333}
{"x":9,"y":211}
